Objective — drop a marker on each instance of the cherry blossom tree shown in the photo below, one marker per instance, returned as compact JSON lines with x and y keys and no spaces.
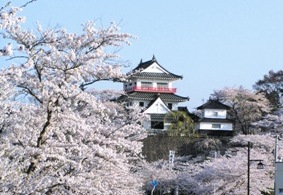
{"x":56,"y":137}
{"x":247,"y":106}
{"x":271,"y":123}
{"x":224,"y":174}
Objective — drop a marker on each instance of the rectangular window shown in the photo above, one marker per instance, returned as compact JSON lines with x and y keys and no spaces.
{"x":146,"y":84}
{"x":162,"y":85}
{"x":216,"y":126}
{"x":141,"y":104}
{"x":215,"y":113}
{"x":157,"y":125}
{"x":170,"y":106}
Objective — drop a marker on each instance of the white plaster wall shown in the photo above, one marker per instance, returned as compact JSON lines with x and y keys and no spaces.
{"x":154,"y":68}
{"x":136,"y":102}
{"x":278,"y":177}
{"x":154,"y":82}
{"x":158,"y":108}
{"x":174,"y":106}
{"x":207,"y":125}
{"x":209,"y":113}
{"x":147,"y":124}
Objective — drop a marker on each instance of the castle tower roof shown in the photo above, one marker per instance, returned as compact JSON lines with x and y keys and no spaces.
{"x":144,"y":70}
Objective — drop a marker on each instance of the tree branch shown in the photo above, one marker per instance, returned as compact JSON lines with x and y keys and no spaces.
{"x":30,"y":92}
{"x":40,"y":139}
{"x":29,"y":2}
{"x":83,"y":85}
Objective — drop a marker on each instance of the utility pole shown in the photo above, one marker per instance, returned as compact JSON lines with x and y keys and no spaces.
{"x":249,"y":145}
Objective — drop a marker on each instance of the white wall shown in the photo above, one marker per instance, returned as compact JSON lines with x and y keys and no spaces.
{"x":158,"y":108}
{"x":130,"y":86}
{"x":136,"y":102}
{"x":154,"y":68}
{"x":145,"y":103}
{"x":209,"y":113}
{"x":278,"y":178}
{"x":154,"y":82}
{"x":174,"y":106}
{"x":147,"y":124}
{"x":208,"y":126}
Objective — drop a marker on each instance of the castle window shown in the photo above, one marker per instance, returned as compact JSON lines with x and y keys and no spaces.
{"x":215,"y":113}
{"x":141,"y":104}
{"x":146,"y":84}
{"x":157,"y":125}
{"x":216,"y":126}
{"x":170,"y":106}
{"x":162,"y":85}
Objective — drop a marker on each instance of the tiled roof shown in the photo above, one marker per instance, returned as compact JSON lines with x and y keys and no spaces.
{"x":144,"y":65}
{"x":157,"y":117}
{"x":167,"y":97}
{"x":213,"y":104}
{"x":194,"y":117}
{"x":150,"y":75}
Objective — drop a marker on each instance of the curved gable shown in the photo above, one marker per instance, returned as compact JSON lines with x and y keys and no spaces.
{"x":155,"y":68}
{"x":157,"y":107}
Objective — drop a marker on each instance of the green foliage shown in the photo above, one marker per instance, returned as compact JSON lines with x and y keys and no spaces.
{"x":272,"y":86}
{"x":181,"y":124}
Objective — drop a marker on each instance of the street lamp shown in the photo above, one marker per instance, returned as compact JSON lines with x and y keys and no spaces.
{"x":260,"y":165}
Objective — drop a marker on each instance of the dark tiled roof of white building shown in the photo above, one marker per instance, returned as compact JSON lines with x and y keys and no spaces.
{"x":167,"y":97}
{"x":144,"y":65}
{"x":213,"y":104}
{"x":151,"y":75}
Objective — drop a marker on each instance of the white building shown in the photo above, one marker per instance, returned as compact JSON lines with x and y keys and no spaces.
{"x":278,"y":185}
{"x":151,"y":87}
{"x":214,"y":119}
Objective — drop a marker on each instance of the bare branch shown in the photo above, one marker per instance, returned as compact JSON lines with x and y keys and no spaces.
{"x":27,"y":3}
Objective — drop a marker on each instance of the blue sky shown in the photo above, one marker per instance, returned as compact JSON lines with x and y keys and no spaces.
{"x":213,"y":44}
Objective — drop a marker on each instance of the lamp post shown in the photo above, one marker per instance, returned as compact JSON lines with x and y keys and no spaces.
{"x":259,"y":166}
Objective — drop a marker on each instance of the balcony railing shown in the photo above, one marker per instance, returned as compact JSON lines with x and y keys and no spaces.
{"x":152,"y":89}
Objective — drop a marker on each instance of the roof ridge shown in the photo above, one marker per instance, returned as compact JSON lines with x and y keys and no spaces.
{"x":146,"y":64}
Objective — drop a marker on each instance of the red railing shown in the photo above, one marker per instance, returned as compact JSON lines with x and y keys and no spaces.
{"x":153,"y":89}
